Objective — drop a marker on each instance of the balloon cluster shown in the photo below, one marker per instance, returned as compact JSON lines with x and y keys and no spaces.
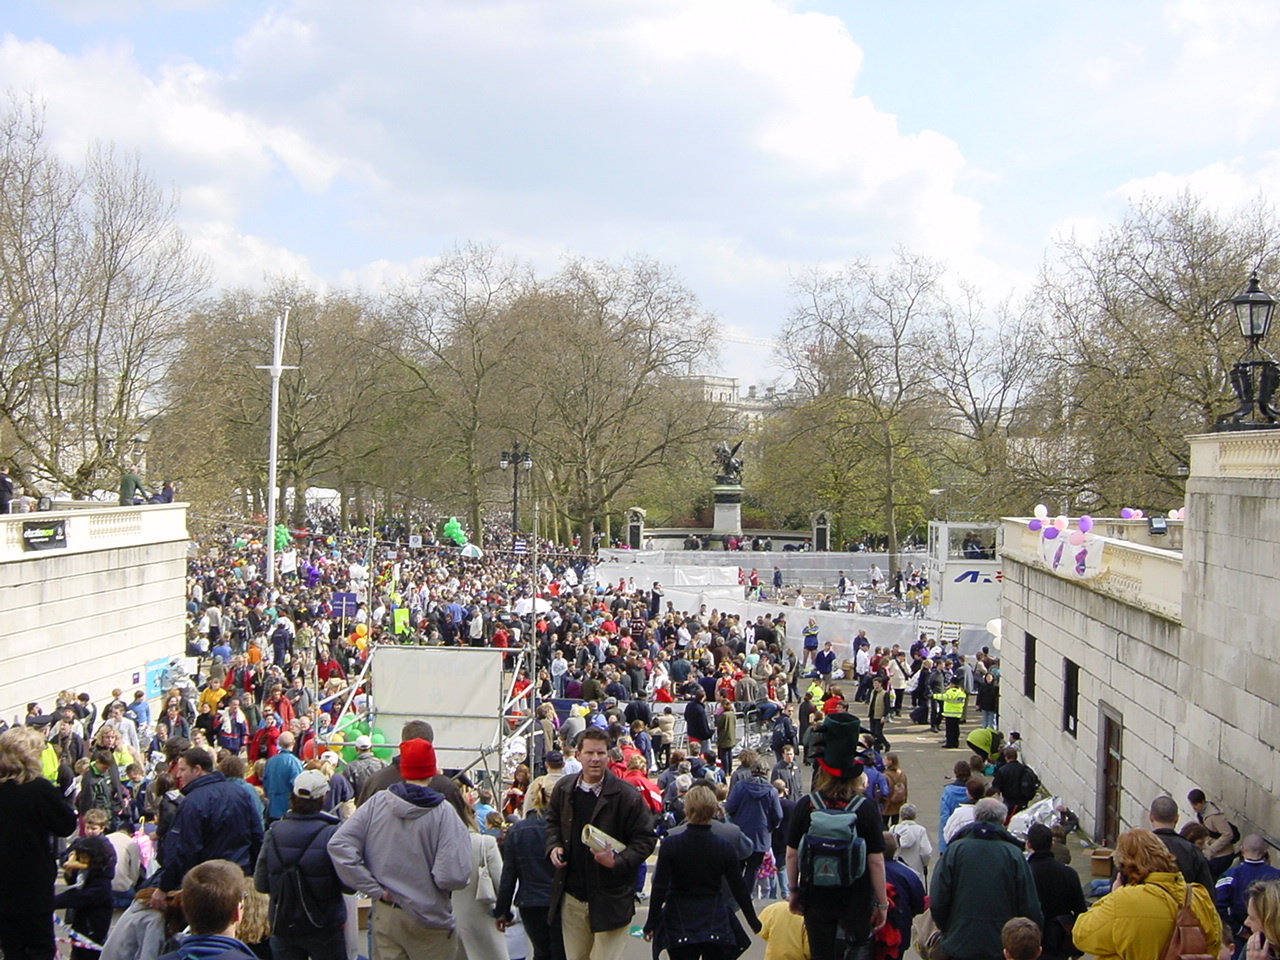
{"x":1052,"y":529}
{"x":453,"y":531}
{"x":281,"y":536}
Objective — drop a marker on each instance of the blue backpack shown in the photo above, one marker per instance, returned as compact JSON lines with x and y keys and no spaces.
{"x":831,"y":853}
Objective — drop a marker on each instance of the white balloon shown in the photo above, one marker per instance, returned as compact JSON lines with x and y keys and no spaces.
{"x":1173,"y":514}
{"x":1041,"y":511}
{"x":995,"y":627}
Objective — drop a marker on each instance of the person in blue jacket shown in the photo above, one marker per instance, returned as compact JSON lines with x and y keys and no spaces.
{"x":278,"y":776}
{"x":754,"y":808}
{"x":953,"y":794}
{"x":216,"y":820}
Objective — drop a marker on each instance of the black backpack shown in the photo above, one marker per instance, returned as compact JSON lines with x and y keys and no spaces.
{"x":296,"y":911}
{"x":1028,"y":784}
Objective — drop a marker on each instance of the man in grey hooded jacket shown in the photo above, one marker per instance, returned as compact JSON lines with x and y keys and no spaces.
{"x":405,"y":848}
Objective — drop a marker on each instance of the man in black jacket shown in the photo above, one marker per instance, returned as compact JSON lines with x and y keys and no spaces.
{"x":217,"y":820}
{"x":1008,"y":780}
{"x":594,"y":891}
{"x":311,"y":925}
{"x":1060,"y":893}
{"x":1163,"y":814}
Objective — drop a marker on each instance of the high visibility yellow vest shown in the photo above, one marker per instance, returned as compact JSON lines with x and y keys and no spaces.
{"x":953,"y":699}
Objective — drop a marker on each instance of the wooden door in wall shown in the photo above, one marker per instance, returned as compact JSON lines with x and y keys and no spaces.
{"x":1112,"y":760}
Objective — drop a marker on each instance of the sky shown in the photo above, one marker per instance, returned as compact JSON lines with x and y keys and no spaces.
{"x":742,"y":142}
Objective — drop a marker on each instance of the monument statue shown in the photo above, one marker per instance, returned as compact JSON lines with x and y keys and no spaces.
{"x":728,"y":465}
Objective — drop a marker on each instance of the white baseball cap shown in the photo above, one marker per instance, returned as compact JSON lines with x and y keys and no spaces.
{"x":311,"y":785}
{"x":363,"y":742}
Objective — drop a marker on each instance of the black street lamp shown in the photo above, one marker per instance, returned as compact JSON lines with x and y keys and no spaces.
{"x":520,"y":460}
{"x":1253,"y":378}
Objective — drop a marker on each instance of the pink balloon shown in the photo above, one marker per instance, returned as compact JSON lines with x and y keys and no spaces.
{"x":1086,"y":523}
{"x":1034,"y":525}
{"x":1182,"y":513}
{"x":1061,"y":522}
{"x":1138,"y":514}
{"x":1126,"y":513}
{"x":1051,"y":533}
{"x":1076,"y":538}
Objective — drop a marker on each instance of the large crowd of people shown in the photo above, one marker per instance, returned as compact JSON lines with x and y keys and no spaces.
{"x":250,"y":811}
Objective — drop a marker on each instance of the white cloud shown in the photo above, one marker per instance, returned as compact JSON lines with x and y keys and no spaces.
{"x":727,"y":137}
{"x":241,"y":260}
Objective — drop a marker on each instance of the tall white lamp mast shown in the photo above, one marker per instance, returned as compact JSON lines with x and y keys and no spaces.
{"x":276,"y":368}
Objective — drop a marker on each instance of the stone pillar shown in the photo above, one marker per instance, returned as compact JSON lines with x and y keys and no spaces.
{"x":728,"y":501}
{"x":821,"y":525}
{"x":635,"y":528}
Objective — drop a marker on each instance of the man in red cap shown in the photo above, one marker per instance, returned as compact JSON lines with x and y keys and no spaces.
{"x":405,"y":849}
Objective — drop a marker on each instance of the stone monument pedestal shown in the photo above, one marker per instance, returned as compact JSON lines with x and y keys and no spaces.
{"x":728,"y":516}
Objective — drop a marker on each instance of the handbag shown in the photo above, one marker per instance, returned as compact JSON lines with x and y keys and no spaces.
{"x":1188,"y":940}
{"x":926,"y":937}
{"x":485,"y":892}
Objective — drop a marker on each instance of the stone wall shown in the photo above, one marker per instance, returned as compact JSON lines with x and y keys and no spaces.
{"x":1231,"y":663}
{"x":91,"y":615}
{"x":1127,"y":660}
{"x":1195,"y":681}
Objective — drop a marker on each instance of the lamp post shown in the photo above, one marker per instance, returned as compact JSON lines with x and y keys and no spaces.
{"x":1254,"y":378}
{"x":517,"y":460}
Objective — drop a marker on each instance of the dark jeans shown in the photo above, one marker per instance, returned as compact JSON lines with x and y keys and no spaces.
{"x":547,"y":939}
{"x":702,"y":951}
{"x":751,"y":869}
{"x":327,"y":945}
{"x":726,"y":761}
{"x":27,"y":937}
{"x":953,"y":731}
{"x":864,"y":688}
{"x":877,"y":731}
{"x":829,"y":940}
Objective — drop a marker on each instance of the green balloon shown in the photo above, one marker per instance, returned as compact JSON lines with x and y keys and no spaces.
{"x":378,"y":736}
{"x":348,"y":754}
{"x":383,"y":753}
{"x":360,"y":728}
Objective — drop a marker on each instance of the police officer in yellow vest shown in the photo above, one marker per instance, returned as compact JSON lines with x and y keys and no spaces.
{"x":953,"y":702}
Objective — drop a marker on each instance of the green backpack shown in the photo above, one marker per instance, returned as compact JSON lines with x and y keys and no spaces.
{"x":831,"y":852}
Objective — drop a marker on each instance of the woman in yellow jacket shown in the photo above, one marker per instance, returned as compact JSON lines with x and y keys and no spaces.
{"x":1135,"y":920}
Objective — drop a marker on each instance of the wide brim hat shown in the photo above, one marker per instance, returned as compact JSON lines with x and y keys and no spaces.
{"x":836,"y":745}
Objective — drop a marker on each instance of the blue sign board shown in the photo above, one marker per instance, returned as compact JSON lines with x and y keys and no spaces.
{"x":344,"y":604}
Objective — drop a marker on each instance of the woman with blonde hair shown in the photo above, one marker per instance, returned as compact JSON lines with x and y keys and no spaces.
{"x":527,"y":876}
{"x":1263,"y":921}
{"x":688,"y":916}
{"x":1136,"y":920}
{"x":478,"y":937}
{"x":34,"y":812}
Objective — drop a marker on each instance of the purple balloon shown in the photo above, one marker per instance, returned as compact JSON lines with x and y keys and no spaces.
{"x":1126,"y":513}
{"x":1086,"y":523}
{"x":1034,"y":525}
{"x":1051,"y":533}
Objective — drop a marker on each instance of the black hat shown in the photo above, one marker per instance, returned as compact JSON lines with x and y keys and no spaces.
{"x":835,"y":745}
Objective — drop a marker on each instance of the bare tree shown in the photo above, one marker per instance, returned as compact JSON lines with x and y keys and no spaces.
{"x":858,"y":341}
{"x":94,"y":277}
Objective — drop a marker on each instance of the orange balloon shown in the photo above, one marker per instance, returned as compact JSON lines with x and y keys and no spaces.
{"x":309,"y":750}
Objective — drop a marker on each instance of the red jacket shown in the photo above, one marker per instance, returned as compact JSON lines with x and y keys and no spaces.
{"x":263,"y":746}
{"x":648,"y":789}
